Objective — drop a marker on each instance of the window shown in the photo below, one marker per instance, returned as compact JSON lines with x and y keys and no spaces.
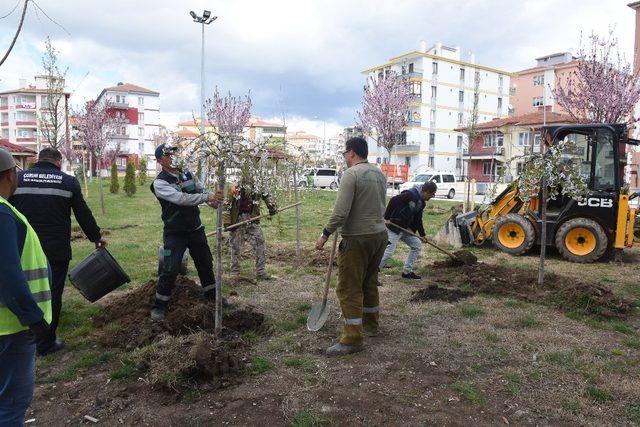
{"x":461,"y":96}
{"x":433,"y":115}
{"x":487,"y":168}
{"x":416,"y":88}
{"x":435,"y":68}
{"x":436,"y":178}
{"x":538,"y":80}
{"x":141,"y":117}
{"x":537,"y":101}
{"x":487,"y":141}
{"x":411,"y":67}
{"x":460,"y":118}
{"x":500,"y":81}
{"x":462,"y":74}
{"x":432,"y":141}
{"x":477,"y":76}
{"x":430,"y":162}
{"x":523,"y":139}
{"x":434,"y":92}
{"x":141,"y":100}
{"x":458,"y":163}
{"x":519,"y":168}
{"x":407,"y":161}
{"x":141,"y":131}
{"x":459,"y":145}
{"x":499,"y":103}
{"x":123,"y":130}
{"x":141,"y":147}
{"x":326,"y":172}
{"x":536,"y":140}
{"x":378,"y":160}
{"x":448,"y":178}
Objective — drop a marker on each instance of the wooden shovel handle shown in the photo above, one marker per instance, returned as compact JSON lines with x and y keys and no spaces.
{"x":246,"y":221}
{"x":453,"y":257}
{"x":330,"y":269}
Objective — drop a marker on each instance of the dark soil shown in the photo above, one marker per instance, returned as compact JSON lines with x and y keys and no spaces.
{"x":565,"y":293}
{"x":434,"y":292}
{"x":125,"y":321}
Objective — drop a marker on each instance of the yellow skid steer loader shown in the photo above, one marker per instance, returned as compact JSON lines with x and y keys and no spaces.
{"x":582,"y":231}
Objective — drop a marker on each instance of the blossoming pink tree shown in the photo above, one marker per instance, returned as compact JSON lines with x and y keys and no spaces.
{"x":383,"y":114}
{"x":604,"y":87}
{"x":96,"y":125}
{"x":228,"y":114}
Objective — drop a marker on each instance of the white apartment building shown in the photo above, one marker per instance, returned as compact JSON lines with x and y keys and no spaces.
{"x":442,"y":87}
{"x":140,"y":108}
{"x":21,"y":110}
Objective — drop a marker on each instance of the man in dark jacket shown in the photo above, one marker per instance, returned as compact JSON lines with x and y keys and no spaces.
{"x":405,"y":210}
{"x":179,"y":194}
{"x":46,"y":196}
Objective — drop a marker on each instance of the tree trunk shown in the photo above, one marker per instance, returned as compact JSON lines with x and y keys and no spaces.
{"x":295,"y":192}
{"x":543,"y":230}
{"x":99,"y":160}
{"x":221,"y":185}
{"x":84,"y":175}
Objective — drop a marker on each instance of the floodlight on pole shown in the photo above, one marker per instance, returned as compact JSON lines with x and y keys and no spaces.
{"x":204,"y":19}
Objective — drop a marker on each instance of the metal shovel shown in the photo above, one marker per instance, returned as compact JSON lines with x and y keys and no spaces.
{"x":320,"y":311}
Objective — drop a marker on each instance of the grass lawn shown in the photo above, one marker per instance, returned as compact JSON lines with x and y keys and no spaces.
{"x":482,"y":360}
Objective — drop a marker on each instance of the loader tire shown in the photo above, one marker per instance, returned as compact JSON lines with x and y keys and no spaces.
{"x":581,"y":240}
{"x":513,"y":234}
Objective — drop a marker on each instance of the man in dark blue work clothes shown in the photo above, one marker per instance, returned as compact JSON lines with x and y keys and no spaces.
{"x":25,"y":301}
{"x":179,"y":194}
{"x":46,"y":196}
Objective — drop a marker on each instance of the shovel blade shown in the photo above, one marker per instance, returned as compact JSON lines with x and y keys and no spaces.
{"x":317,"y":316}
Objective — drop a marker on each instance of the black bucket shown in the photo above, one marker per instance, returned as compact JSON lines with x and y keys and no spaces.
{"x":97,"y":275}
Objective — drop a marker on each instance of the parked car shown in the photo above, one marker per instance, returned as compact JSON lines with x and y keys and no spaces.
{"x":446,"y":182}
{"x":322,"y":178}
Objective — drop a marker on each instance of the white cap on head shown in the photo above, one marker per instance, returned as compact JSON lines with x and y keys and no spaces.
{"x":6,"y":160}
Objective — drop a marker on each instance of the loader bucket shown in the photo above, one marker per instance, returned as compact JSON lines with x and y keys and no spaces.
{"x":449,"y":234}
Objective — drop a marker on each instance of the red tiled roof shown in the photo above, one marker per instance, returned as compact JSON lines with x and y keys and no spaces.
{"x":529,"y":119}
{"x":14,"y":148}
{"x":544,"y":67}
{"x":263,"y":124}
{"x":28,"y":90}
{"x":128,"y":87}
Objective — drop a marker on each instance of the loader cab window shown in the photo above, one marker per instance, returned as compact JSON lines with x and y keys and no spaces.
{"x":593,"y":153}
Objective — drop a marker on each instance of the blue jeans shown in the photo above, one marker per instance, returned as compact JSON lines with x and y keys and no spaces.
{"x":17,"y":377}
{"x":414,"y":244}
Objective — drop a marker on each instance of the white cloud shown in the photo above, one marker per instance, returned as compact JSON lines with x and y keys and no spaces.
{"x":310,"y":51}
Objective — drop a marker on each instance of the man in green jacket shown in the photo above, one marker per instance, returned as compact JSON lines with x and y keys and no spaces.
{"x":358,"y":213}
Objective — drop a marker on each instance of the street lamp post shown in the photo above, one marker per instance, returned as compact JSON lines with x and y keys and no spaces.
{"x":206,"y":18}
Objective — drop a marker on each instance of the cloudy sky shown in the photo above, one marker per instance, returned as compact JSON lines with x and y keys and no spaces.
{"x":300,"y":57}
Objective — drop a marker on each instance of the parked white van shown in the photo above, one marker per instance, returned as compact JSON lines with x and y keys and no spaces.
{"x":321,"y":177}
{"x":446,"y":182}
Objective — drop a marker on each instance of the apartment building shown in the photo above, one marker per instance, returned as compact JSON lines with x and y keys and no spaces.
{"x":532,"y":88}
{"x":306,"y":143}
{"x":255,"y":130}
{"x":442,"y":88}
{"x":140,"y":108}
{"x":500,"y":142}
{"x":22,"y":110}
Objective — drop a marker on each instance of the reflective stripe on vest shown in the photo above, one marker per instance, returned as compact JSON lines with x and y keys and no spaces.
{"x":35,"y":267}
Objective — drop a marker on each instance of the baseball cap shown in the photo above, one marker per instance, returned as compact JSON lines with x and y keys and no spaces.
{"x":6,"y":161}
{"x":164,"y":149}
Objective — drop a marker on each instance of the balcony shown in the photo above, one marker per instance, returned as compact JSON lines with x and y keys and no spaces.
{"x":413,"y":74}
{"x":120,"y":104}
{"x":27,"y":124}
{"x":415,"y":123}
{"x":4,"y":124}
{"x":26,"y":106}
{"x":485,"y":153}
{"x":406,"y":149}
{"x":415,"y":97}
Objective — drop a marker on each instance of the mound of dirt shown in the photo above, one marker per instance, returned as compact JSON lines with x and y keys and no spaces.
{"x":434,"y":292}
{"x":321,"y":258}
{"x":565,"y":293}
{"x":125,"y":322}
{"x":175,"y":363}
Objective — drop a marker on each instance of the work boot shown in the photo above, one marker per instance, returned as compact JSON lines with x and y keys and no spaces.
{"x":56,"y":345}
{"x":370,"y":331}
{"x":340,"y":349}
{"x":411,"y":275}
{"x":158,"y":313}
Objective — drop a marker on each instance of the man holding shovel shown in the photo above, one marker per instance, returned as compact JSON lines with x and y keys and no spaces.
{"x":358,"y":213}
{"x":179,"y":194}
{"x":405,"y":210}
{"x":243,"y":204}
